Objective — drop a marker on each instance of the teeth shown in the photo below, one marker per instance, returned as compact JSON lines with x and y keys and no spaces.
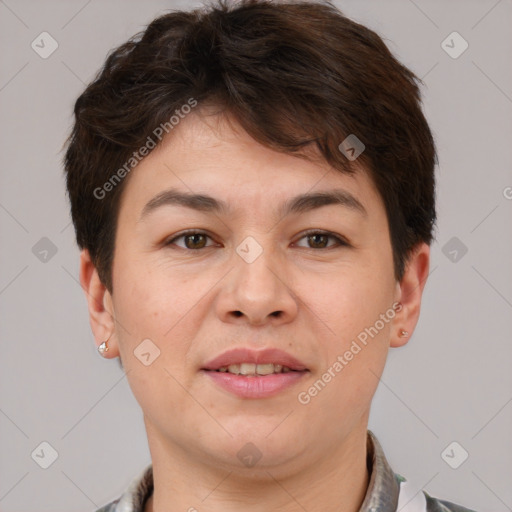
{"x":234,"y":368}
{"x":247,"y":369}
{"x":255,"y":369}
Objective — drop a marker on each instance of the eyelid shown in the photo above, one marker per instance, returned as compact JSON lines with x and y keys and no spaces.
{"x":169,"y":241}
{"x":341,"y":240}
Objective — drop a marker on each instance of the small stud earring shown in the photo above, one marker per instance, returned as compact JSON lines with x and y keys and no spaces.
{"x":103,"y":347}
{"x":404,"y":334}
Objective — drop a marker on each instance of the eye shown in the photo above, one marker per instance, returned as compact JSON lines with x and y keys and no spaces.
{"x":320,"y":238}
{"x":193,"y":240}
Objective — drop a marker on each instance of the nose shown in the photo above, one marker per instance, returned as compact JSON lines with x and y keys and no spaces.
{"x":258,"y":292}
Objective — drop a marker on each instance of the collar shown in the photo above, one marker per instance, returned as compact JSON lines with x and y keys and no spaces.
{"x":381,"y":496}
{"x":384,"y":485}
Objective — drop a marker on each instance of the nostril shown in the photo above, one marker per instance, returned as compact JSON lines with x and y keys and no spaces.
{"x":276,"y":314}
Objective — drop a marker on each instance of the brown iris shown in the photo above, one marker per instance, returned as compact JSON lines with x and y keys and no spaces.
{"x":196,"y":240}
{"x":316,"y":236}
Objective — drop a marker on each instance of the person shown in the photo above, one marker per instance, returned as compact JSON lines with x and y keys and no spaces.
{"x":252,"y":189}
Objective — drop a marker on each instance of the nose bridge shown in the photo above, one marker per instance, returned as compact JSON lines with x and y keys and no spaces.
{"x":258,"y":285}
{"x":257,"y":265}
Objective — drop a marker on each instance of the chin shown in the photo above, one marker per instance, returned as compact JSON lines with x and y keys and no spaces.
{"x":254,"y":450}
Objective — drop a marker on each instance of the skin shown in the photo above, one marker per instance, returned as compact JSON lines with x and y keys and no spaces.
{"x":185,"y":300}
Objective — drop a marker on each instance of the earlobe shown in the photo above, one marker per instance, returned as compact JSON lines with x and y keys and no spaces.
{"x":97,"y":295}
{"x":410,"y":291}
{"x":103,"y":348}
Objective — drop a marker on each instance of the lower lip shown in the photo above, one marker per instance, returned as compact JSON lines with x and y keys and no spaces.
{"x":262,"y":386}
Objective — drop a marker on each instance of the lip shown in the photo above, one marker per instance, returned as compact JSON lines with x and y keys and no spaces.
{"x":257,"y":386}
{"x":246,"y":355}
{"x":263,"y":386}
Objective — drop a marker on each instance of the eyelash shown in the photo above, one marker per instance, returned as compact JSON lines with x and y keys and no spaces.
{"x":340,"y":241}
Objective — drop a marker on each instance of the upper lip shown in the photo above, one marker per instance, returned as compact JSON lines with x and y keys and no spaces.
{"x":246,"y":355}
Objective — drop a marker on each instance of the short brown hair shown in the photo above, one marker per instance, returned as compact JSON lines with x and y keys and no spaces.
{"x":295,"y":75}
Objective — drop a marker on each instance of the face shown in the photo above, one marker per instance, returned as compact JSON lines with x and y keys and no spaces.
{"x":192,"y":282}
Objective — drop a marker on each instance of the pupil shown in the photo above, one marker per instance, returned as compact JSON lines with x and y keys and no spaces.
{"x":193,"y":238}
{"x":315,"y":237}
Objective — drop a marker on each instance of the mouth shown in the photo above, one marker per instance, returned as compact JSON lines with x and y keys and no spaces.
{"x":255,"y":374}
{"x":255,"y":370}
{"x":246,"y":361}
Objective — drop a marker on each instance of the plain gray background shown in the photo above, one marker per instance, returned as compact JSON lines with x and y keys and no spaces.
{"x":451,"y":382}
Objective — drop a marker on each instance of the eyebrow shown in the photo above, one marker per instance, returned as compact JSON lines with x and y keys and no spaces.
{"x":298,"y":204}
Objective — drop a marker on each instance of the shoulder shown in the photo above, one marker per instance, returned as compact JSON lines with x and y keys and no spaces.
{"x":135,"y":495}
{"x":437,"y":505}
{"x":109,"y":507}
{"x":410,"y":500}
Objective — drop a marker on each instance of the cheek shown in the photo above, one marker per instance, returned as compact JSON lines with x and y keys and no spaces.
{"x":151,"y":308}
{"x":161,"y":305}
{"x":352,"y":300}
{"x":144,"y":299}
{"x":357,"y":307}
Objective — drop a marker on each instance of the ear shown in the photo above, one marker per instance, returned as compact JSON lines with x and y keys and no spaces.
{"x":409,"y":293}
{"x":100,"y":305}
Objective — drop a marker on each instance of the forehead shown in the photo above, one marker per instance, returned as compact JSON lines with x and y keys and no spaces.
{"x":210,"y":156}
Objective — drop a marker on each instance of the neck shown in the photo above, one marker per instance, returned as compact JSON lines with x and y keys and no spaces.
{"x":333,"y":481}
